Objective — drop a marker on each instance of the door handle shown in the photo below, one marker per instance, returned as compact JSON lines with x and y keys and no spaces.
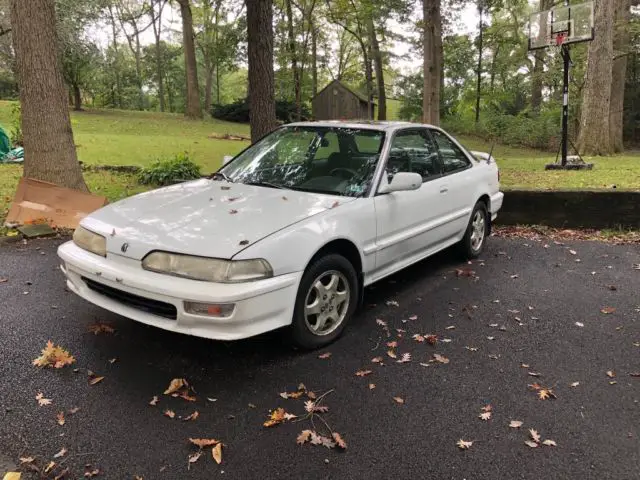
{"x":444,"y":189}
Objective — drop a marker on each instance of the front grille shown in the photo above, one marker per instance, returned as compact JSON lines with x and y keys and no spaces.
{"x":148,"y":305}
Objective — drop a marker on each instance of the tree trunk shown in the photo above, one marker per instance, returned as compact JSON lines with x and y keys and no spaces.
{"x":480,"y":52}
{"x":116,"y":64}
{"x":50,"y":152}
{"x":432,"y":65}
{"x":157,"y":31}
{"x":208,"y":87}
{"x":314,"y":59}
{"x":77,"y":98}
{"x":193,"y":109}
{"x":594,"y":137}
{"x":377,"y":61}
{"x":262,"y":105}
{"x":138,"y":55}
{"x":217,"y":81}
{"x":538,"y":65}
{"x":368,"y":73}
{"x":291,"y":45}
{"x":619,"y":73}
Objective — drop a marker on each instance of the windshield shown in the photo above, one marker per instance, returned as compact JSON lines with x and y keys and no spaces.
{"x":337,"y":161}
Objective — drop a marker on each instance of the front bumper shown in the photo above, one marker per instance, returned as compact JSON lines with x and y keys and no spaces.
{"x":259,"y":306}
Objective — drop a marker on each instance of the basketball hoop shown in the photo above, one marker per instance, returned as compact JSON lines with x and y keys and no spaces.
{"x":560,"y":38}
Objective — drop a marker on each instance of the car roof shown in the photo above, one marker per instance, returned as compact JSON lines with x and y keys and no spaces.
{"x":359,"y":124}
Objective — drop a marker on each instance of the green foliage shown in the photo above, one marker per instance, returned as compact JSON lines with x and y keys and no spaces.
{"x":166,"y":172}
{"x":238,"y":111}
{"x":16,"y":125}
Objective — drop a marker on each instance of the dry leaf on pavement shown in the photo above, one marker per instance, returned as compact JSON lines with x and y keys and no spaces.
{"x":175,"y":385}
{"x":440,"y":358}
{"x":463,"y":444}
{"x":311,"y":407}
{"x":73,"y":411}
{"x":324,"y":356}
{"x":61,"y":453}
{"x":406,"y":357}
{"x":192,"y":416}
{"x":515,"y":424}
{"x":392,"y":354}
{"x":154,"y":401}
{"x":339,"y":440}
{"x":531,"y":444}
{"x":193,"y":458}
{"x":169,"y":413}
{"x":363,"y":373}
{"x":431,"y":339}
{"x":50,"y":466}
{"x":550,"y":443}
{"x":485,"y":416}
{"x":399,"y":400}
{"x":60,"y":418}
{"x":608,"y":310}
{"x":277,"y":416}
{"x":372,"y":386}
{"x":377,"y":360}
{"x":204,"y":442}
{"x":611,"y":374}
{"x":380,"y":322}
{"x":43,"y":401}
{"x":216,"y":453}
{"x":52,"y":356}
{"x":26,"y":460}
{"x":91,"y":472}
{"x":98,"y":328}
{"x":93,"y":378}
{"x":304,"y":437}
{"x":535,"y":436}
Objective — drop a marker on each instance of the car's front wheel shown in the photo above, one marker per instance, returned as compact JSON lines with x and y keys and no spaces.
{"x":326,"y":300}
{"x":474,"y":238}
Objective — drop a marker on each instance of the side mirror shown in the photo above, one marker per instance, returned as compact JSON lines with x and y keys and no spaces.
{"x":402,"y":182}
{"x":226,"y":159}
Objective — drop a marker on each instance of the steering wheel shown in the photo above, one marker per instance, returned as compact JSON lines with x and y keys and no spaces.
{"x":352,"y":173}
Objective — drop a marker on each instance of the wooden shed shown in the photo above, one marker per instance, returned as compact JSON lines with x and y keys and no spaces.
{"x":336,"y":101}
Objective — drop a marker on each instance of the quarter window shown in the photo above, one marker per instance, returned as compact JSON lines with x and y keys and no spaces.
{"x":453,"y":159}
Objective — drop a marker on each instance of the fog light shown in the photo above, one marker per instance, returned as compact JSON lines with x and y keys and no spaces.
{"x":220,"y":310}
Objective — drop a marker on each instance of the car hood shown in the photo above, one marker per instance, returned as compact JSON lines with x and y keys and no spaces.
{"x":204,"y":217}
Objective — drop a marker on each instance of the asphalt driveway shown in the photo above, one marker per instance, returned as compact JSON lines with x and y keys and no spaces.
{"x":530,"y":308}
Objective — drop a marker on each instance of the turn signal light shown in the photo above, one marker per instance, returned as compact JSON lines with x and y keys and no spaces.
{"x":216,"y":310}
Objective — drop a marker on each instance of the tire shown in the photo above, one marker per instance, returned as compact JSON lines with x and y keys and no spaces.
{"x":310,"y":330}
{"x":473,"y":242}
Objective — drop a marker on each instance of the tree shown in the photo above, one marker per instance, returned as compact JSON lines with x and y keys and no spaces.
{"x":594,"y":137}
{"x":50,"y":152}
{"x":262,"y":105}
{"x":432,"y":61}
{"x":619,"y":73}
{"x":193,"y":109}
{"x":156,"y":8}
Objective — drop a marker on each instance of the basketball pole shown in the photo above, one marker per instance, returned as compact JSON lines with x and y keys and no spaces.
{"x":565,"y":104}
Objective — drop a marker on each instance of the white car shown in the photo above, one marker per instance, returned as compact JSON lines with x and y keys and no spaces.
{"x":286,"y":234}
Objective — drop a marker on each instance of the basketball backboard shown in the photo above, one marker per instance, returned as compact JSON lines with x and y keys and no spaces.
{"x":561,"y":25}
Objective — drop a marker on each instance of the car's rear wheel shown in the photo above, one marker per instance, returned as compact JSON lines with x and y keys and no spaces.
{"x":474,"y":239}
{"x":326,"y":300}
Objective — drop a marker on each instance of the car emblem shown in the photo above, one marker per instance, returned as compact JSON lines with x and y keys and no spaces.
{"x":124,"y":247}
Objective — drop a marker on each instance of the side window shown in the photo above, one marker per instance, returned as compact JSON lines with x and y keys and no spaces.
{"x":453,"y":159}
{"x":328,"y":146}
{"x":414,"y":151}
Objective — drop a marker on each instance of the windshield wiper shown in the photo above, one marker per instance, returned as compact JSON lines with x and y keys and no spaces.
{"x":224,"y":176}
{"x":266,"y":184}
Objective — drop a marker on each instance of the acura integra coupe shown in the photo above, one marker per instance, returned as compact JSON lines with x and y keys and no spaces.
{"x":288,"y":233}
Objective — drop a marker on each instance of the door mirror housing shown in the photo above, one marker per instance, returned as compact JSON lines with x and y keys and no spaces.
{"x":226,"y":159}
{"x":402,"y":182}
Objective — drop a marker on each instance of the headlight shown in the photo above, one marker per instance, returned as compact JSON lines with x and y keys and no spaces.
{"x":207,"y":269}
{"x":90,"y":241}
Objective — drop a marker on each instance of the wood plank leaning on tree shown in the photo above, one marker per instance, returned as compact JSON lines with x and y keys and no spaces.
{"x":50,"y":152}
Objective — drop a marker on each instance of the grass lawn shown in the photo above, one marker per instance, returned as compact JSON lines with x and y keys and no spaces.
{"x":115,"y":137}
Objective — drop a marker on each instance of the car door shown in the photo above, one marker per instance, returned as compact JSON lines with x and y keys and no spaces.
{"x":407,"y":223}
{"x":458,"y":184}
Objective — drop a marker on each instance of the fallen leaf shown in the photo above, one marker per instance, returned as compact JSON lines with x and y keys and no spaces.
{"x":471,"y":349}
{"x":535,"y":436}
{"x":392,"y":344}
{"x":418,"y":338}
{"x":113,"y":360}
{"x":90,"y":473}
{"x":43,"y":401}
{"x":154,"y":401}
{"x":399,"y":400}
{"x":611,"y":374}
{"x":53,"y":356}
{"x":406,"y":357}
{"x":204,"y":442}
{"x":185,"y":396}
{"x":169,"y":413}
{"x":24,"y":460}
{"x":431,"y":339}
{"x":293,"y":395}
{"x":175,"y":385}
{"x":533,"y":374}
{"x":392,"y":354}
{"x":324,"y":356}
{"x":61,"y":453}
{"x":73,"y":411}
{"x":491,"y":338}
{"x":377,"y":360}
{"x":440,"y":358}
{"x":216,"y":453}
{"x":531,"y":444}
{"x":94,"y":379}
{"x":575,"y":384}
{"x":464,"y":272}
{"x":244,"y":242}
{"x":339,"y":440}
{"x":573,"y":252}
{"x":60,"y":418}
{"x":363,"y":373}
{"x":194,"y":457}
{"x":98,"y":328}
{"x":50,"y":466}
{"x":549,"y":443}
{"x":485,"y":416}
{"x":463,"y":444}
{"x":372,"y":386}
{"x":382,"y":323}
{"x":3,"y":280}
{"x":515,"y":424}
{"x":579,"y":324}
{"x":545,"y":393}
{"x":276,"y":417}
{"x":192,"y":416}
{"x":634,"y":374}
{"x":233,"y":211}
{"x":450,"y":327}
{"x":392,"y":303}
{"x":303,"y":437}
{"x":413,"y":317}
{"x":608,"y":310}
